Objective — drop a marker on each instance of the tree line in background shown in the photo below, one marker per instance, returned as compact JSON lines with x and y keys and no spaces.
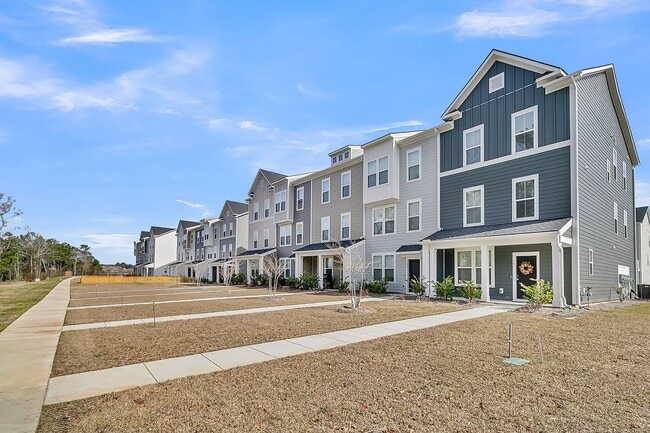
{"x":30,"y":256}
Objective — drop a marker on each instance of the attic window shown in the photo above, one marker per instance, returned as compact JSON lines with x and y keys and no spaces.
{"x":497,"y":82}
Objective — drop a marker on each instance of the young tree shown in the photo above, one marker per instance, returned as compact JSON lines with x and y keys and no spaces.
{"x":274,"y":269}
{"x":354,"y":266}
{"x":7,"y":211}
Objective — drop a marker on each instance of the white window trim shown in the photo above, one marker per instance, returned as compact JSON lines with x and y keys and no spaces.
{"x":300,"y":225}
{"x":482,"y":146}
{"x":625,"y":223}
{"x":513,"y":141}
{"x":267,"y":238}
{"x":283,"y":242}
{"x":329,"y":190}
{"x":383,"y":265}
{"x":379,"y":170}
{"x":376,"y":172}
{"x":256,"y":239}
{"x":465,"y":191}
{"x":329,"y":228}
{"x":349,"y":215}
{"x":590,"y":258}
{"x":419,"y":201}
{"x":267,"y":206}
{"x":614,"y":164}
{"x":615,"y":218}
{"x":419,"y":164}
{"x":383,"y":220}
{"x":624,"y":169}
{"x":280,"y":197}
{"x":492,"y":83}
{"x":298,"y":191}
{"x":609,"y":171}
{"x":349,"y":173}
{"x":534,"y":177}
{"x":256,"y":211}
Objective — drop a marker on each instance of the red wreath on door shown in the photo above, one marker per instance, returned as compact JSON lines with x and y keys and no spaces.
{"x":525,"y":268}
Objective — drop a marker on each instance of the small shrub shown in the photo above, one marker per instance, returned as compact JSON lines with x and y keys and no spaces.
{"x":187,"y":280}
{"x":237,"y":279}
{"x":377,"y":286}
{"x":469,"y":290}
{"x":308,"y":282}
{"x":259,"y":279}
{"x":344,"y":286}
{"x":538,"y":293}
{"x":445,"y":289}
{"x":292,"y":282}
{"x":418,"y":285}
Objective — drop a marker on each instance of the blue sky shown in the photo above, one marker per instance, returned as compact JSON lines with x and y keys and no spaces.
{"x":119,"y":115}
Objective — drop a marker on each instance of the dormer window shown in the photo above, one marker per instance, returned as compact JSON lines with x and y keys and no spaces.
{"x":497,"y":82}
{"x":347,"y":154}
{"x":341,"y":157}
{"x":334,"y":160}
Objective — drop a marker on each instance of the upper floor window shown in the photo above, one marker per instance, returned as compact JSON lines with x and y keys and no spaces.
{"x":224,"y":230}
{"x":229,"y":250}
{"x":347,"y":154}
{"x":230,"y":229}
{"x":625,"y":223}
{"x":266,"y":238}
{"x":591,"y":261}
{"x":609,"y":171}
{"x":267,"y":208}
{"x":285,"y":235}
{"x":383,"y":220}
{"x":325,"y":190}
{"x":413,"y":165}
{"x":345,"y":225}
{"x":300,"y":198}
{"x":255,"y":239}
{"x":624,"y":175}
{"x":614,"y":163}
{"x":497,"y":82}
{"x":325,"y":229}
{"x":256,"y":211}
{"x":525,"y":202}
{"x":473,"y":206}
{"x":345,"y":184}
{"x":413,"y":216}
{"x":473,"y":145}
{"x":334,"y":160}
{"x":615,"y":217}
{"x":223,"y":251}
{"x":378,"y":172}
{"x":524,"y":131}
{"x":281,"y":201}
{"x":299,"y":234}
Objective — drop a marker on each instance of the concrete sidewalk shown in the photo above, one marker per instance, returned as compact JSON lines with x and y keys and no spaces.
{"x":94,"y":383}
{"x":27,"y":348}
{"x":121,"y":295}
{"x":161,"y":319}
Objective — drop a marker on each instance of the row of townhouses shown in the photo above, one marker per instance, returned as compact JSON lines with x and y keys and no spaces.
{"x":529,"y":175}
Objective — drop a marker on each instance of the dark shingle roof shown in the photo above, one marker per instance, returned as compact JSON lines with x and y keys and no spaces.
{"x":327,"y":246}
{"x":409,"y":248}
{"x":641,"y":213}
{"x":160,"y":230}
{"x":255,"y":252}
{"x":144,"y":234}
{"x":500,"y":230}
{"x":237,"y":207}
{"x":272,"y":176}
{"x":187,"y":224}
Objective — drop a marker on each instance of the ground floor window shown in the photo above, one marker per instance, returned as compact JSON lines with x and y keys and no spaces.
{"x":383,"y":267}
{"x":468,"y":266}
{"x":286,"y":267}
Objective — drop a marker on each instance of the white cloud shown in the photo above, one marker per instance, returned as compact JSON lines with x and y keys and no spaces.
{"x":70,"y":100}
{"x":116,"y":241}
{"x":111,"y":36}
{"x":193,"y":205}
{"x":530,"y":22}
{"x":218,"y":122}
{"x":644,"y":143}
{"x":250,"y":125}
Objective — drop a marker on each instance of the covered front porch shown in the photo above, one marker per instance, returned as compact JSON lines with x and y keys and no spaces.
{"x":332,"y":262}
{"x":254,"y":260}
{"x":500,"y":258}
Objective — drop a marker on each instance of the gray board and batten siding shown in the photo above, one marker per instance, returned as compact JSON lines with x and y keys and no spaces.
{"x":553,"y":168}
{"x":494,"y":110}
{"x":598,"y":132}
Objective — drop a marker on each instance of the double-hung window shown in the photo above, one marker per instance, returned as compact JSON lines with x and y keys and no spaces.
{"x":267,"y":208}
{"x":615,"y":217}
{"x":281,"y":201}
{"x":378,"y":172}
{"x":383,"y":220}
{"x":255,"y":239}
{"x":473,"y":145}
{"x":525,"y":201}
{"x":625,"y":223}
{"x":230,"y":229}
{"x":223,"y":251}
{"x":299,"y":233}
{"x":469,"y":267}
{"x":266,"y":238}
{"x":614,"y":163}
{"x":413,"y":215}
{"x":524,"y":129}
{"x":285,"y":235}
{"x":345,"y":184}
{"x":229,"y":250}
{"x":413,"y":165}
{"x":473,"y":206}
{"x":591,"y":261}
{"x":256,"y":211}
{"x":325,"y":190}
{"x":383,"y":267}
{"x":325,"y":229}
{"x":609,"y":171}
{"x":300,"y":198}
{"x":624,"y":175}
{"x":345,"y":225}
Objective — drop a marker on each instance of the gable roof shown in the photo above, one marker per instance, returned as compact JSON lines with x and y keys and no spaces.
{"x":155,"y":230}
{"x":236,"y":207}
{"x":516,"y":228}
{"x":184,"y":224}
{"x":641,"y":212}
{"x":144,"y":234}
{"x":498,"y":56}
{"x":270,"y":176}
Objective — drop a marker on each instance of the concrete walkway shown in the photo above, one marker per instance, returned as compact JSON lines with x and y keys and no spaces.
{"x":27,"y":349}
{"x":208,"y":315}
{"x":121,"y":295}
{"x":94,"y":383}
{"x":177,"y":301}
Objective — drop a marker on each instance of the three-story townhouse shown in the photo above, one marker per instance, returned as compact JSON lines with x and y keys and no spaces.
{"x":233,"y":232}
{"x":141,"y":252}
{"x":336,"y":218}
{"x":184,"y":248}
{"x":642,"y":233}
{"x":529,"y":185}
{"x":162,"y":250}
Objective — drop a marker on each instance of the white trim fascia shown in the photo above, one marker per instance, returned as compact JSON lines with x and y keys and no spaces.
{"x":431,"y":132}
{"x":502,"y":240}
{"x":465,"y":191}
{"x":516,"y":180}
{"x":565,"y":227}
{"x":469,"y":131}
{"x":575,"y":193}
{"x":566,"y":242}
{"x":507,"y":158}
{"x":513,"y":140}
{"x":343,"y":165}
{"x":437,"y":180}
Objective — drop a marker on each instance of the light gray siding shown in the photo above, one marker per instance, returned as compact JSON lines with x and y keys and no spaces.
{"x":304,"y":215}
{"x":553,"y":168}
{"x":337,"y":205}
{"x":494,"y":110}
{"x":261,"y":192}
{"x":503,"y":273}
{"x":598,"y":132}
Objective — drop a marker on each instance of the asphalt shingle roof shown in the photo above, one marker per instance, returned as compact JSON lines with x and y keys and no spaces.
{"x":641,"y":213}
{"x":500,"y":230}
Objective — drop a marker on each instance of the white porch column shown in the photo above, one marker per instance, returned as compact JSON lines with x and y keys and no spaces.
{"x":485,"y":273}
{"x":558,"y":274}
{"x":260,"y":267}
{"x":320,"y":272}
{"x":429,"y":268}
{"x":298,"y":265}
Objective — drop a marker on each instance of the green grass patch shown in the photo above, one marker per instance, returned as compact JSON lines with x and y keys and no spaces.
{"x":18,"y":297}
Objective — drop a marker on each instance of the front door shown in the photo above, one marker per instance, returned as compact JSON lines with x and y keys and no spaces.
{"x":414,"y":270}
{"x":526,"y":269}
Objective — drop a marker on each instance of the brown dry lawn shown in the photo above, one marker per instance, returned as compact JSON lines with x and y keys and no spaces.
{"x":96,"y":349}
{"x":172,"y":309}
{"x":594,"y":378}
